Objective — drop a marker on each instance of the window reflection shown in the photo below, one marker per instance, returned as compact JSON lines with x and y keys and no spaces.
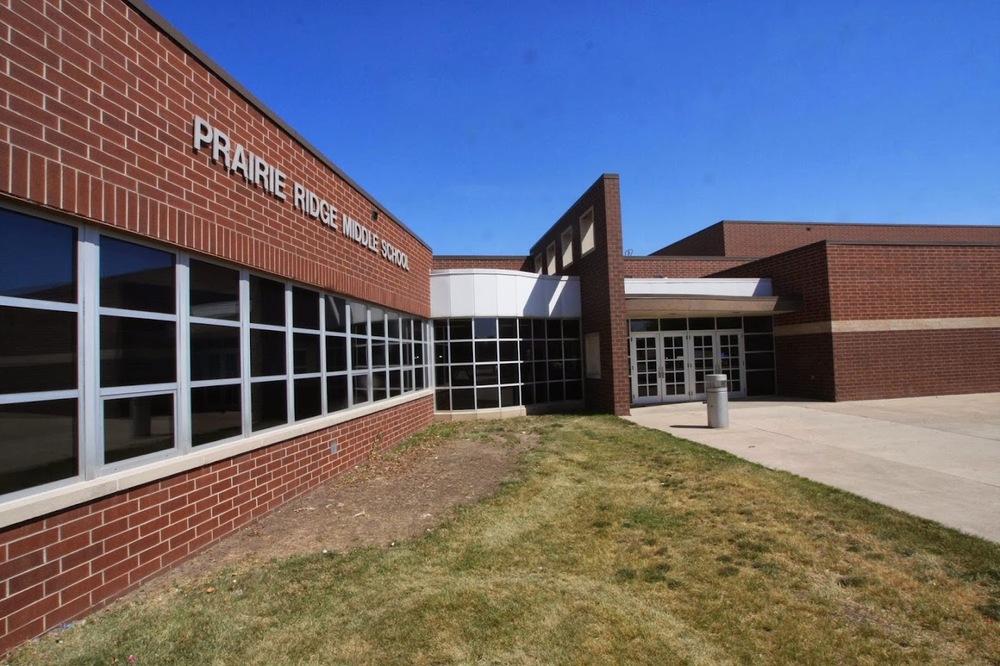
{"x":137,"y":426}
{"x":37,"y":258}
{"x":136,"y":277}
{"x":38,"y":444}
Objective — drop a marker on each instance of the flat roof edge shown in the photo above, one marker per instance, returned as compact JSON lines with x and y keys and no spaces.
{"x":154,"y":17}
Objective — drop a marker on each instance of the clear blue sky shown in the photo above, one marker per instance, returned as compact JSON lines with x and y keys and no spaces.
{"x":479,"y":123}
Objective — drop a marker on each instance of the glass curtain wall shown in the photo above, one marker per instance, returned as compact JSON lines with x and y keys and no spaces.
{"x":190,"y":352}
{"x":489,"y":363}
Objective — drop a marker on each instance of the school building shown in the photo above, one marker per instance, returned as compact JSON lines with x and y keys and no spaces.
{"x":202,"y":317}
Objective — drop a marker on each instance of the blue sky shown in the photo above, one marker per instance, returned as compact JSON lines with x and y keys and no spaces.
{"x":479,"y":123}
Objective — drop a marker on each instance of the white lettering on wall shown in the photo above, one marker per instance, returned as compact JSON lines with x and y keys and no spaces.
{"x":253,"y":169}
{"x":258,"y":172}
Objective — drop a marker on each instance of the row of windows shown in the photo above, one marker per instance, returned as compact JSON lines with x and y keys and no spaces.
{"x":546,"y":263}
{"x":187,"y":353}
{"x":485,"y":363}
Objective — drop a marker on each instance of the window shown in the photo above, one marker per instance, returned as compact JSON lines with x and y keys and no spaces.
{"x":186,"y":353}
{"x":550,"y":255}
{"x":216,"y":369}
{"x":587,"y":232}
{"x":40,"y":382}
{"x":489,"y":363}
{"x":268,"y":354}
{"x":566,"y":241}
{"x":592,"y":344}
{"x":138,"y":348}
{"x":539,"y":263}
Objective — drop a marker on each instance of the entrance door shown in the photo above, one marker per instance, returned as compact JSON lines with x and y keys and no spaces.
{"x":702,"y":345}
{"x":646,"y":368}
{"x":671,"y":367}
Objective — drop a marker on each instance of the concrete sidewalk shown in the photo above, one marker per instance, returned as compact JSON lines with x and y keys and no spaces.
{"x":935,"y":457}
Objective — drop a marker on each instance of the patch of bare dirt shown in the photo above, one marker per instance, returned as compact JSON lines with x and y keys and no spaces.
{"x":396,"y":496}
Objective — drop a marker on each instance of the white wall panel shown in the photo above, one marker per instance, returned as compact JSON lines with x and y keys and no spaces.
{"x":499,"y":293}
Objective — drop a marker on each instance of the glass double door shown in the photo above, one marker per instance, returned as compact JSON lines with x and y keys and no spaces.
{"x":671,"y":367}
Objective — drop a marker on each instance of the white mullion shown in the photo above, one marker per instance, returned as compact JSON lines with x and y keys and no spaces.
{"x":38,"y":396}
{"x":182,"y":401}
{"x":267,"y":327}
{"x":322,"y":353}
{"x":348,"y":317}
{"x":208,"y":383}
{"x":245,"y":396}
{"x":35,"y":304}
{"x":370,"y":365}
{"x":89,"y":332}
{"x":212,"y":322}
{"x":138,"y":390}
{"x":289,"y":358}
{"x":137,"y":314}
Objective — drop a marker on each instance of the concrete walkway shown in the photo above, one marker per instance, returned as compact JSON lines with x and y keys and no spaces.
{"x":936,"y":457}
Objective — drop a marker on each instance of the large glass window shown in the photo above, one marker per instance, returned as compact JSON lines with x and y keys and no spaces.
{"x":268,"y":354}
{"x":216,"y":356}
{"x":38,"y":443}
{"x":38,"y":352}
{"x":187,"y":353}
{"x":137,"y":425}
{"x":486,"y":363}
{"x":38,"y":259}
{"x":138,"y":347}
{"x":39,"y":357}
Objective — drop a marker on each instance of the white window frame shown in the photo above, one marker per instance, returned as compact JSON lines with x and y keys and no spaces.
{"x":566,"y":240}
{"x":87,"y":483}
{"x":587,"y":241}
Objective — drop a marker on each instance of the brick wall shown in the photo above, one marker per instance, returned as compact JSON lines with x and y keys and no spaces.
{"x":69,"y":563}
{"x":913,"y":281}
{"x":901,"y":364}
{"x":678,"y":267}
{"x":761,"y":239}
{"x":858,"y":285}
{"x":709,"y":242}
{"x":96,"y":111}
{"x":602,"y":290}
{"x":921,"y":282}
{"x":804,"y":366}
{"x":800,"y":272}
{"x":443,"y":262}
{"x":96,"y":121}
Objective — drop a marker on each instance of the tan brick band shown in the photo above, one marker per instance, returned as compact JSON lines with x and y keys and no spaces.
{"x":885,"y":325}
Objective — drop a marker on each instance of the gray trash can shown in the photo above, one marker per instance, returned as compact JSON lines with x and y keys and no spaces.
{"x":717,"y":393}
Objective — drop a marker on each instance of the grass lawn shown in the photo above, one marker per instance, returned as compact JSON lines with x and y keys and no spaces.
{"x":618,"y":545}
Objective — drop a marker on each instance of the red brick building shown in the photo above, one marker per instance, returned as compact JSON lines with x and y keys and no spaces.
{"x":202,"y":317}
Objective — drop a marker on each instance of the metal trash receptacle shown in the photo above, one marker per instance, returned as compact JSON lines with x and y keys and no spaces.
{"x":717,"y":393}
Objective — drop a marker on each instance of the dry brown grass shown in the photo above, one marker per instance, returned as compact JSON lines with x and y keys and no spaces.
{"x":618,"y":545}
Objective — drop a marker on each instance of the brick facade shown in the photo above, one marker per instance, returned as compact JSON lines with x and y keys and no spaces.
{"x":445,"y":262}
{"x":885,"y":320}
{"x":951,"y":291}
{"x":602,"y":290}
{"x":96,"y":122}
{"x":762,"y":239}
{"x":97,"y":107}
{"x":709,"y":242}
{"x":69,"y":563}
{"x":679,"y":267}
